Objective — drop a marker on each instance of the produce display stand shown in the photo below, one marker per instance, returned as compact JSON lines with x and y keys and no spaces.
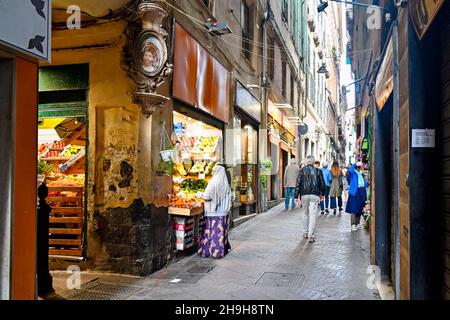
{"x":66,"y":221}
{"x":187,"y":226}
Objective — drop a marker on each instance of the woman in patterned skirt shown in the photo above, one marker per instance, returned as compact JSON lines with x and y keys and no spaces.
{"x":214,"y":238}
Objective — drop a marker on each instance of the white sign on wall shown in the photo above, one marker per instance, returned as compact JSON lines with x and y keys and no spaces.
{"x":423,"y":138}
{"x":25,"y":25}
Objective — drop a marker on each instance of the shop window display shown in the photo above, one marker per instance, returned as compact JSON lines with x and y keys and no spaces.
{"x":198,"y":150}
{"x":244,"y":184}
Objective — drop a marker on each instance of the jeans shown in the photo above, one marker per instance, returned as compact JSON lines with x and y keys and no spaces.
{"x":333,"y":202}
{"x":310,"y":203}
{"x":290,"y":191}
{"x":326,"y":201}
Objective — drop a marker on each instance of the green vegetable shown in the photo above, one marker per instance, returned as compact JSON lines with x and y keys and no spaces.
{"x":45,"y":168}
{"x":193,"y":186}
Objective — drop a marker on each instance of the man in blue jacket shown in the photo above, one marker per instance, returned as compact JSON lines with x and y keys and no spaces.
{"x":327,"y":177}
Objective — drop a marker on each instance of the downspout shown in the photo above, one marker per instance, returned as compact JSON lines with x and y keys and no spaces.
{"x":305,"y":70}
{"x":396,"y":129}
{"x":264,"y":99}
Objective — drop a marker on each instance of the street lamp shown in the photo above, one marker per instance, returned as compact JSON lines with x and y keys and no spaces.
{"x":218,"y":28}
{"x":344,"y":88}
{"x":323,"y":70}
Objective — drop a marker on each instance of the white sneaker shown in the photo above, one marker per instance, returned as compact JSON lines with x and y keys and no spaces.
{"x":354,"y":227}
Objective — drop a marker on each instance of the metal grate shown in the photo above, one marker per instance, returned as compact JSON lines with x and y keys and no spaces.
{"x":92,"y":295}
{"x":114,"y":289}
{"x":200,"y":269}
{"x":276,"y":279}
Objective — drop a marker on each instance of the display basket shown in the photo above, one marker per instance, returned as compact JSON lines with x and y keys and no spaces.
{"x":167,"y":155}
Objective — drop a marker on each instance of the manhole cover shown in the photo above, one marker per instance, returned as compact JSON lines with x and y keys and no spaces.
{"x":200,"y":269}
{"x":276,"y":279}
{"x":92,"y":295}
{"x":114,"y":289}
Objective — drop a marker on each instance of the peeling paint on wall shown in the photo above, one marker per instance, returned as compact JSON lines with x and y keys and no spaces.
{"x":116,"y":176}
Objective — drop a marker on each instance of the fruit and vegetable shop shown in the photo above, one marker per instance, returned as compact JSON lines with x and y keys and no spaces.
{"x":198,"y":149}
{"x":62,"y":136}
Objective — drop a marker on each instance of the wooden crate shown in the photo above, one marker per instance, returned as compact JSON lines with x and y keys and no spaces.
{"x":185,"y":212}
{"x":66,"y":222}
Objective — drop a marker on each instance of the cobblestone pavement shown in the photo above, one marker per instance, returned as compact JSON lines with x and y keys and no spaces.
{"x":269,"y":260}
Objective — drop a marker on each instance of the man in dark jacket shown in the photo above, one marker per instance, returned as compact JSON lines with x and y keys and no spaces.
{"x":310,"y":187}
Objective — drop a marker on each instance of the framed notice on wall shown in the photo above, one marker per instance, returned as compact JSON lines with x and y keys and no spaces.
{"x":423,"y":138}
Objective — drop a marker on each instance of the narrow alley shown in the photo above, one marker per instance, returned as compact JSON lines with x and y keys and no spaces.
{"x":269,"y":260}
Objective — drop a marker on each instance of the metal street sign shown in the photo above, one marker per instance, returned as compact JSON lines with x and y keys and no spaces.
{"x":25,"y":26}
{"x":423,"y":138}
{"x":423,"y":13}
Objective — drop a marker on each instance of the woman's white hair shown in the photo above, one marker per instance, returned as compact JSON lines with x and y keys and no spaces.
{"x":310,"y":160}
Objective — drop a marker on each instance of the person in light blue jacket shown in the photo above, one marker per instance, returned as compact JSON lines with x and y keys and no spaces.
{"x":328,"y":178}
{"x":357,"y":194}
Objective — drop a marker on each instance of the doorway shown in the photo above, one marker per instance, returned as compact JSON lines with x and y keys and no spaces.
{"x":62,"y":153}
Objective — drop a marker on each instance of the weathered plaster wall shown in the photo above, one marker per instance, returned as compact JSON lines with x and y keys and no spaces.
{"x":125,"y":232}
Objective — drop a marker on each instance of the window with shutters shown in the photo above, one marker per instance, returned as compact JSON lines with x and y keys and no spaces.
{"x":247,"y":29}
{"x":284,"y":11}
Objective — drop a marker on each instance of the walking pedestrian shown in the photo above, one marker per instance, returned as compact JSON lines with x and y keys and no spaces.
{"x":214,"y":238}
{"x":327,"y":177}
{"x":336,"y":188}
{"x":357,"y":195}
{"x":310,"y":187}
{"x":290,"y":178}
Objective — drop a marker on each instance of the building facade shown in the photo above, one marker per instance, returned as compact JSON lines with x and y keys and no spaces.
{"x":402,"y":115}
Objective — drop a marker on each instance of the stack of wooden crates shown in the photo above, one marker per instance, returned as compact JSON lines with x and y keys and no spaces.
{"x":66,"y":221}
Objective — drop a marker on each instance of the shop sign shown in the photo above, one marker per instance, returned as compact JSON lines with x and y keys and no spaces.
{"x":423,"y":138}
{"x":25,"y":26}
{"x":422,"y":14}
{"x":384,"y":84}
{"x":247,"y":102}
{"x":199,"y":79}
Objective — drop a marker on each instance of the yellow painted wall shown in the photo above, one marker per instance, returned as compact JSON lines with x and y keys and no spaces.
{"x":113,"y":118}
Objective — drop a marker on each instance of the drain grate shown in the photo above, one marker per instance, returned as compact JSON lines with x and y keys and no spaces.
{"x":114,"y":289}
{"x":276,"y":279}
{"x":92,"y":295}
{"x":200,"y":269}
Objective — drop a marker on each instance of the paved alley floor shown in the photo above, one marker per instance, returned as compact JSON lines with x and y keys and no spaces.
{"x":269,"y":261}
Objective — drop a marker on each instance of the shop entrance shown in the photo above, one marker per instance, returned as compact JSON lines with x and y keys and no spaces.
{"x":62,"y":144}
{"x":245,"y":179}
